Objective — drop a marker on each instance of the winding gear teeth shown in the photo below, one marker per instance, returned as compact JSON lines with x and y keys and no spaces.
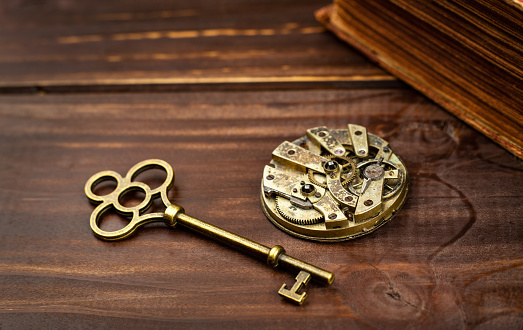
{"x":296,"y":214}
{"x":310,"y":174}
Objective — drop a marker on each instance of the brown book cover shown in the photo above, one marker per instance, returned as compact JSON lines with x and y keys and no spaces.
{"x":465,"y":55}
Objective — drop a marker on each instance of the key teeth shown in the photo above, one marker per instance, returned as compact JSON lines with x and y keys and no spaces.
{"x":292,"y":295}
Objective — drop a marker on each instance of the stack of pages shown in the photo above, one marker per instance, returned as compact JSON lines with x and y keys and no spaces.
{"x":466,"y":55}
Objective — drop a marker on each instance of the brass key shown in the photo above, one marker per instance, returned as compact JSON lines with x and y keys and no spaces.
{"x":175,"y":215}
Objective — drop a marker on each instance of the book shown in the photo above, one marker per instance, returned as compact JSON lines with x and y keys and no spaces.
{"x":466,"y":55}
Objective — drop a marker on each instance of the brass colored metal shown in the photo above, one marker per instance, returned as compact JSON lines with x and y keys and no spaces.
{"x":370,"y":201}
{"x":358,"y":135}
{"x":322,"y":137}
{"x":297,"y":214}
{"x":334,"y":217}
{"x":302,"y":279}
{"x":174,"y":215}
{"x":125,"y":185}
{"x":295,"y":156}
{"x":360,"y":188}
{"x":337,"y":190}
{"x":274,"y":255}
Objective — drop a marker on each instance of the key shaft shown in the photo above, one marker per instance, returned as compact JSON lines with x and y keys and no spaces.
{"x":275,"y":256}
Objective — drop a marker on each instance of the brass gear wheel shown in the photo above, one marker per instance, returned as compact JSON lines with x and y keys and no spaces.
{"x":353,"y":170}
{"x":310,"y":174}
{"x":345,"y":179}
{"x":296,"y":214}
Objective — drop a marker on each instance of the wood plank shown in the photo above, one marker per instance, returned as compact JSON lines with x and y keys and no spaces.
{"x":179,"y":44}
{"x":450,"y":259}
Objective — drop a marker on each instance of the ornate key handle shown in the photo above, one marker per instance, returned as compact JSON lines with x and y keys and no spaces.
{"x":125,"y":185}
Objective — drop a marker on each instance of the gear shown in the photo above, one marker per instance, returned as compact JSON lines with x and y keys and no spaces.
{"x":346,"y":175}
{"x":311,"y":174}
{"x":296,"y":214}
{"x":349,"y":174}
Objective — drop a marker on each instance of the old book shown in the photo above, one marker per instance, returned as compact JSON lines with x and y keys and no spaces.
{"x":466,"y":55}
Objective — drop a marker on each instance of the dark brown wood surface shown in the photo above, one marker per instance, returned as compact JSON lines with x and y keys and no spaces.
{"x":451,"y":258}
{"x":182,"y":44}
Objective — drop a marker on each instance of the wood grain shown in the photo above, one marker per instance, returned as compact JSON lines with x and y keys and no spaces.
{"x":213,"y":88}
{"x":450,"y":259}
{"x":75,"y":45}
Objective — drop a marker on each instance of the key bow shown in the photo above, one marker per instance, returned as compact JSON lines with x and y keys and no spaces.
{"x":125,"y":185}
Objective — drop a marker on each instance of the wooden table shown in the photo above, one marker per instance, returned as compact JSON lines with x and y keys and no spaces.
{"x":212,"y":88}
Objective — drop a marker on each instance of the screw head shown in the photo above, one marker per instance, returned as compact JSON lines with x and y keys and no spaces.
{"x":322,"y":134}
{"x":294,"y":190}
{"x":302,"y":182}
{"x":270,"y":177}
{"x":332,"y":216}
{"x":348,"y":199}
{"x":361,"y":152}
{"x":317,"y":195}
{"x":291,"y":152}
{"x":368,"y":202}
{"x":338,"y":152}
{"x":386,"y":149}
{"x":358,"y":133}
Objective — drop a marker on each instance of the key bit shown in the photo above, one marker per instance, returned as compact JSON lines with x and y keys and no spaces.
{"x":302,"y":279}
{"x":174,"y":215}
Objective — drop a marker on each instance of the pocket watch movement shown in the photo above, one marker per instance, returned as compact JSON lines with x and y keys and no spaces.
{"x":333,"y":185}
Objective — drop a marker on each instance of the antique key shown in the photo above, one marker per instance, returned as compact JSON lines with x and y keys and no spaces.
{"x":175,"y":215}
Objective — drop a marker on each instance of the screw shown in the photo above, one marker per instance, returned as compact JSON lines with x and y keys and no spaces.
{"x":361,"y":152}
{"x":391,"y":172}
{"x":338,"y":151}
{"x":322,"y":134}
{"x":386,"y":149}
{"x":348,"y":199}
{"x":302,"y":183}
{"x":270,"y":177}
{"x":357,"y":133}
{"x":291,"y":152}
{"x":368,"y":202}
{"x":294,"y":190}
{"x":317,"y":195}
{"x":332,"y":216}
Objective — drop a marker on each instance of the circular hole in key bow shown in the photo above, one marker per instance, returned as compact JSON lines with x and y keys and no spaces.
{"x":105,"y":186}
{"x":112,"y":221}
{"x":153,"y":177}
{"x":132,"y":197}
